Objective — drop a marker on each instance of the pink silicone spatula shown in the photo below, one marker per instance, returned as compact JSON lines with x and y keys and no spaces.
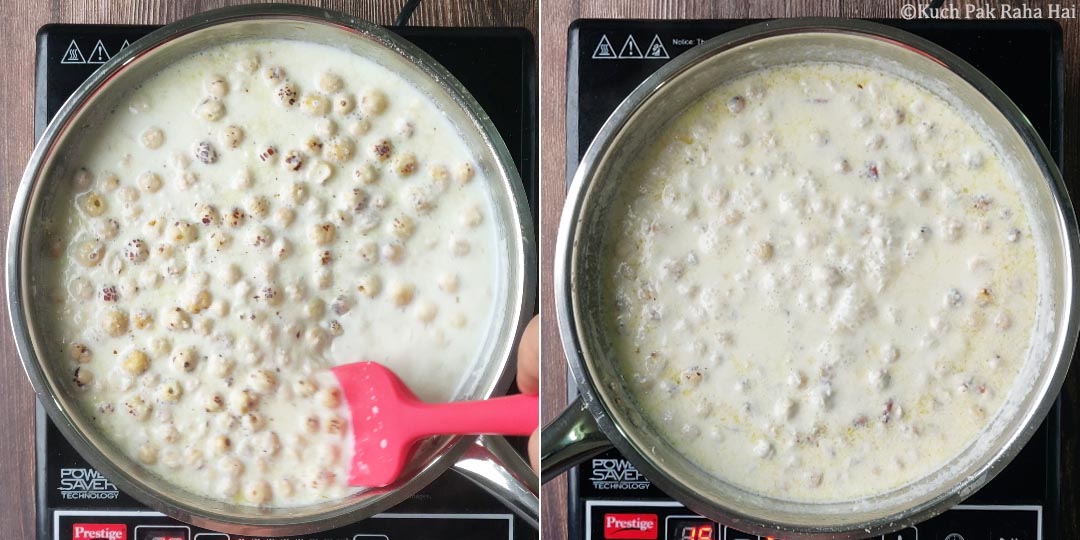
{"x":387,"y":418}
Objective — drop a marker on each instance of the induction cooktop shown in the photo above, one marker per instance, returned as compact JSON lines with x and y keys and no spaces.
{"x":76,"y":502}
{"x":608,"y":497}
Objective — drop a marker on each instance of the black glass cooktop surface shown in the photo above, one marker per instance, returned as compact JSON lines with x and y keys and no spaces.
{"x":76,"y":502}
{"x":607,"y":59}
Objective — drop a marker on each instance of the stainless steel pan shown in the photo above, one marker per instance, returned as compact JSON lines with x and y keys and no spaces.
{"x":514,"y":482}
{"x":606,"y":415}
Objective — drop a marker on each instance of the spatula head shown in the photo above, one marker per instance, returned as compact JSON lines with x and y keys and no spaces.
{"x":378,"y":402}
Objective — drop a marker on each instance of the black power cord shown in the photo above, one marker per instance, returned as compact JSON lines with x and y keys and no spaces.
{"x":406,"y":12}
{"x":932,"y":8}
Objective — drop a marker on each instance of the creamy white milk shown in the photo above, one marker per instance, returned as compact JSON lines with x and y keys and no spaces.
{"x":823,"y":284}
{"x":250,"y":217}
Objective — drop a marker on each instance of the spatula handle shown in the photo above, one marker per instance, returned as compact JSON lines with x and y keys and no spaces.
{"x":511,"y":415}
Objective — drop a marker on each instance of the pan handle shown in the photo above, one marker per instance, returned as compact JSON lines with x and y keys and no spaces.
{"x":570,"y":439}
{"x":494,"y":465}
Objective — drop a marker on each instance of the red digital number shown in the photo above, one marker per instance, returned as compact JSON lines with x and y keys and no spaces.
{"x":701,"y":532}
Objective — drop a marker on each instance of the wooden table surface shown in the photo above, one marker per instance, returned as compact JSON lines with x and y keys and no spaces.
{"x":19,"y":21}
{"x":556,"y":16}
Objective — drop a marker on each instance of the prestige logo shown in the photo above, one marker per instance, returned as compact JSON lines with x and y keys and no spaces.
{"x":617,"y":474}
{"x":631,"y":526}
{"x":99,"y":531}
{"x":86,"y":483}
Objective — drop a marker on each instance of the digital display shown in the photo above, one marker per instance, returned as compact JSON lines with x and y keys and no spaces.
{"x":164,"y":532}
{"x":692,"y":529}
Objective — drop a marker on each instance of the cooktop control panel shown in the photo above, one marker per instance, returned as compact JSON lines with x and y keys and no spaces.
{"x":667,"y":520}
{"x":148,"y":525}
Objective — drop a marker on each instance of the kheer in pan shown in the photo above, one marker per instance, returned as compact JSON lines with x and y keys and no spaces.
{"x":821,"y":283}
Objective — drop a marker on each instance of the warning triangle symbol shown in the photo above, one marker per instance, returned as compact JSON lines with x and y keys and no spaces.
{"x":125,"y":45}
{"x":630,"y":49}
{"x":98,"y":55}
{"x":656,"y":49}
{"x":604,"y":49}
{"x":72,"y":55}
